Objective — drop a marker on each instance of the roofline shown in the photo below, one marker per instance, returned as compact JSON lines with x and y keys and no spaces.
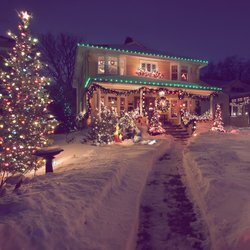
{"x":154,"y":83}
{"x":141,"y":53}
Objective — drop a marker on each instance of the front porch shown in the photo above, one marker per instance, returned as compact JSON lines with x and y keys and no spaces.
{"x":146,"y":96}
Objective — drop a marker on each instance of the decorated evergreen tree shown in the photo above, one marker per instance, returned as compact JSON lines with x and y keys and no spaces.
{"x":155,"y":126}
{"x":127,"y":126}
{"x":24,"y":117}
{"x":218,"y":123}
{"x":103,"y":126}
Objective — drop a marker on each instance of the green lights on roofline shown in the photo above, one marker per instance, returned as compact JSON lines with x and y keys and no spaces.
{"x":142,"y":53}
{"x":165,"y":84}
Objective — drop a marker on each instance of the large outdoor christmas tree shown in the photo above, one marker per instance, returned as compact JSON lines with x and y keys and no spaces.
{"x":24,"y":117}
{"x":218,"y":123}
{"x":155,"y":126}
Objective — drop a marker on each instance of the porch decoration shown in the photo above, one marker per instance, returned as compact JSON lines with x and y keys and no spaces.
{"x":127,"y":126}
{"x":187,"y":118}
{"x":24,"y":103}
{"x":154,"y":74}
{"x":104,"y":126}
{"x":155,"y":126}
{"x":94,"y":86}
{"x":162,"y":104}
{"x":218,"y":123}
{"x":118,"y":136}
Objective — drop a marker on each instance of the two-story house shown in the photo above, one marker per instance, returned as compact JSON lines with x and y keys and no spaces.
{"x":130,"y":76}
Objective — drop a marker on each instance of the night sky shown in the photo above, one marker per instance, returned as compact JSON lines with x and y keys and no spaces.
{"x":200,"y":29}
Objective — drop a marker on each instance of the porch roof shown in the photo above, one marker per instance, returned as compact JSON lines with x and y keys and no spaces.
{"x":135,"y":80}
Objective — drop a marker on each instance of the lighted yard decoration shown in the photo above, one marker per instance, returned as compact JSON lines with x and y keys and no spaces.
{"x":25,"y":120}
{"x":155,"y":126}
{"x":188,"y":118}
{"x":218,"y":123}
{"x":103,"y":126}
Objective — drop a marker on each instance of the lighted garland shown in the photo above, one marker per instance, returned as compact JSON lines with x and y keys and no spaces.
{"x":155,"y":74}
{"x":187,"y":118}
{"x":162,"y":104}
{"x":180,"y":93}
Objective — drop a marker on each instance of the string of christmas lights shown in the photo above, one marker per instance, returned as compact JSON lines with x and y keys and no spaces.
{"x":25,"y":120}
{"x":179,"y":93}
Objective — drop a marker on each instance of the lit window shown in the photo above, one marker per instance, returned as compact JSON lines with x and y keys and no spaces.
{"x":149,"y":67}
{"x":174,"y":72}
{"x":112,"y":65}
{"x":101,"y":65}
{"x":154,"y":68}
{"x":143,"y":66}
{"x":184,"y":73}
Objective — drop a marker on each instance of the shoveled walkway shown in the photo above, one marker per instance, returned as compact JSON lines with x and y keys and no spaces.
{"x":168,"y":219}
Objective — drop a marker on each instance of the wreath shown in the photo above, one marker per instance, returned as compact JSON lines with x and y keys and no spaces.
{"x":162,"y":104}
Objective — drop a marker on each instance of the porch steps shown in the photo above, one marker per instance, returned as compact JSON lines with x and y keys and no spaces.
{"x":177,"y":131}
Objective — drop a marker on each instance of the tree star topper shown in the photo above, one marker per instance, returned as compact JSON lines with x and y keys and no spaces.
{"x":25,"y":15}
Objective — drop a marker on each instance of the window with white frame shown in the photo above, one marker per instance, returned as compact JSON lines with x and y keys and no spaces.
{"x":149,"y":67}
{"x":184,"y":73}
{"x":174,"y":72}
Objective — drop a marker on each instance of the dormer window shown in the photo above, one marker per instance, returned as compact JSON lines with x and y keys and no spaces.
{"x":184,"y":73}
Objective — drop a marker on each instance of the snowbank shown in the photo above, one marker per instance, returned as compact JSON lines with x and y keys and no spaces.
{"x":217,"y":170}
{"x":91,"y":201}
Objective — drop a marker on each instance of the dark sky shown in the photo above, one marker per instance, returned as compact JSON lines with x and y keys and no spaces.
{"x":201,"y":29}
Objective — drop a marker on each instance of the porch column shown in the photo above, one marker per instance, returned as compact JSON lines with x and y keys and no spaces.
{"x":211,"y":105}
{"x":99,"y":100}
{"x":83,"y":104}
{"x":141,"y":101}
{"x":118,"y":104}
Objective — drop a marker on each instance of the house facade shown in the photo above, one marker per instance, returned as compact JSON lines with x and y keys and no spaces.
{"x":130,"y":76}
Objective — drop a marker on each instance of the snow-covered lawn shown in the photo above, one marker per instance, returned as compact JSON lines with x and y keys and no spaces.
{"x":217,"y":167}
{"x":91,"y":201}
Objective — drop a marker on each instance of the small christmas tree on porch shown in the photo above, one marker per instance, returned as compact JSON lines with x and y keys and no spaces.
{"x":218,"y":123}
{"x":155,"y":126}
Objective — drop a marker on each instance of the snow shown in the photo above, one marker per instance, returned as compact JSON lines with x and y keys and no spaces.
{"x":217,"y":173}
{"x":91,"y":201}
